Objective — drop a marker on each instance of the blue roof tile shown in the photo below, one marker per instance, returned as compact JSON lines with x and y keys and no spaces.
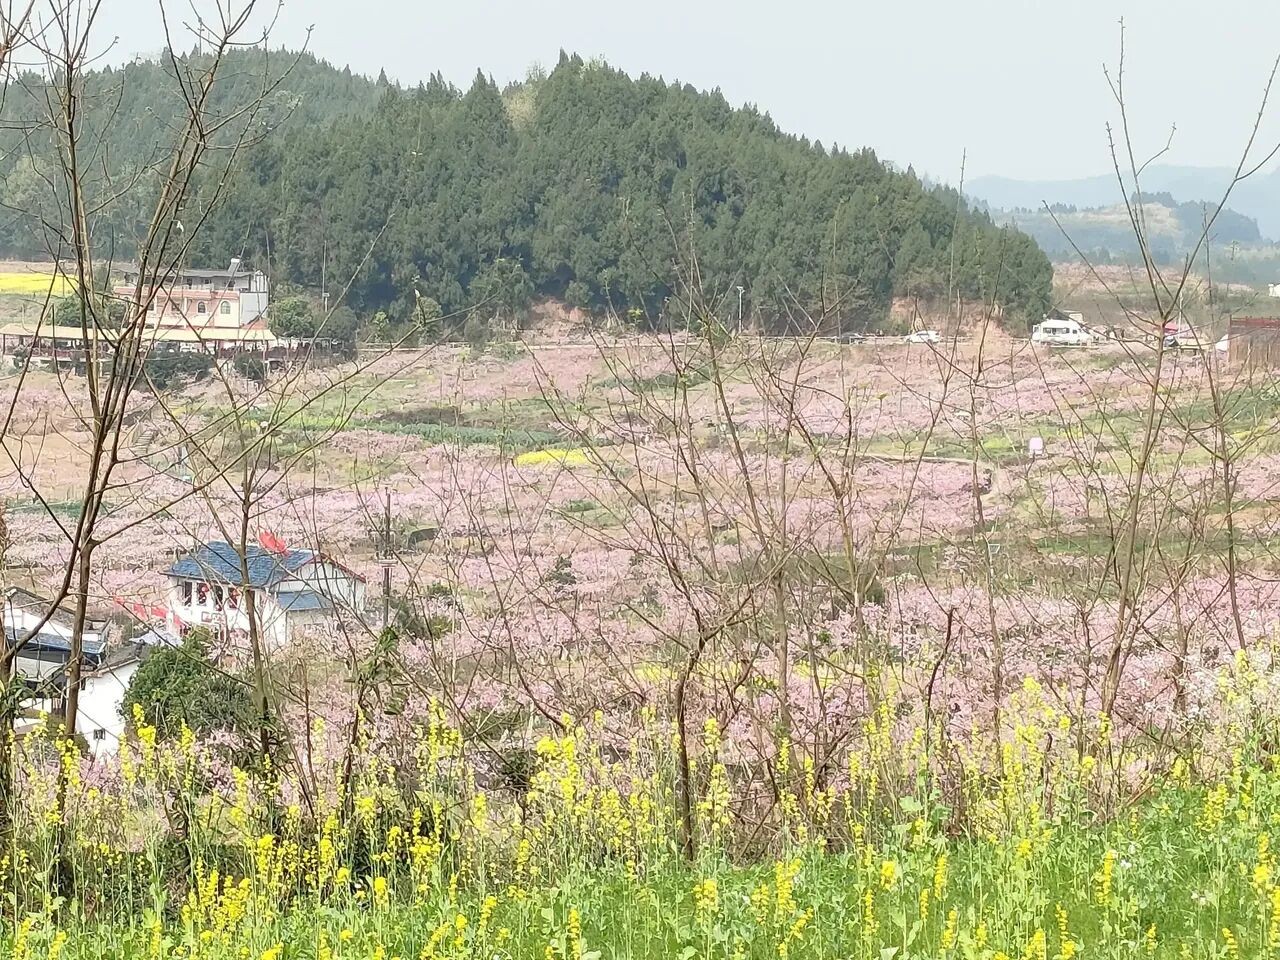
{"x":300,"y":601}
{"x":220,"y":562}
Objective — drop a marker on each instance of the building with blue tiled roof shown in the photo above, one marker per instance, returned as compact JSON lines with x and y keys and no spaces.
{"x":291,"y":589}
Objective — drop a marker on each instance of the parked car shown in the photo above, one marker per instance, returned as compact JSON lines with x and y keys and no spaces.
{"x":851,"y":338}
{"x":1062,"y":333}
{"x":924,"y":336}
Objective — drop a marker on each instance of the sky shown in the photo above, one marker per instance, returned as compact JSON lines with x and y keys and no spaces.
{"x":1016,"y":87}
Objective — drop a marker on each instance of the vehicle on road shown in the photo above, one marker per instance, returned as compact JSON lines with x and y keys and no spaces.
{"x":923,"y":336}
{"x":1066,"y":332}
{"x":851,"y":338}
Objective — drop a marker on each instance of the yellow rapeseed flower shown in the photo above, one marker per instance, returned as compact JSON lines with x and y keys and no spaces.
{"x":1229,"y":940}
{"x":888,"y":874}
{"x":949,"y":930}
{"x":706,"y":898}
{"x":1103,"y":879}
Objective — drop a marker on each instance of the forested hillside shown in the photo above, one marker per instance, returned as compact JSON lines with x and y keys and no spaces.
{"x":584,"y":185}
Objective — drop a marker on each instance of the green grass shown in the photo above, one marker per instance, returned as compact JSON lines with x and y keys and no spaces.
{"x":515,"y":428}
{"x":64,"y":509}
{"x":663,"y":381}
{"x":511,"y":440}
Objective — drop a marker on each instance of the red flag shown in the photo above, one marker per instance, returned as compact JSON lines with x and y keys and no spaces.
{"x":270,"y":541}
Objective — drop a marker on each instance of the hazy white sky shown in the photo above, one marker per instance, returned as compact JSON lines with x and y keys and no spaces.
{"x":1016,"y":83}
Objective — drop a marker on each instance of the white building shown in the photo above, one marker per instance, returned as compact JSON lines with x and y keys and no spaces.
{"x":291,"y":589}
{"x":41,"y":664}
{"x":1274,"y":290}
{"x":43,"y":655}
{"x":235,"y":298}
{"x":99,"y":718}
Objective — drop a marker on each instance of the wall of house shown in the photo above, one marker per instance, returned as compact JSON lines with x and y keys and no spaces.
{"x":99,"y":720}
{"x":209,"y":613}
{"x":272,"y":624}
{"x":253,"y":304}
{"x":181,"y":303}
{"x":24,"y":619}
{"x":38,"y":665}
{"x":332,"y":581}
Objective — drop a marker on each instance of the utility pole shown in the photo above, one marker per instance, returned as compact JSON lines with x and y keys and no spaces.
{"x":739,"y":308}
{"x":386,"y":560}
{"x":324,"y":260}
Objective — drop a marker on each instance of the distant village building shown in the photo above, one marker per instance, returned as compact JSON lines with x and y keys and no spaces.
{"x":232,"y":299}
{"x":41,"y":665}
{"x":291,"y":589}
{"x":1274,"y":290}
{"x":1254,"y":342}
{"x":221,"y":312}
{"x":42,"y":659}
{"x":100,"y":717}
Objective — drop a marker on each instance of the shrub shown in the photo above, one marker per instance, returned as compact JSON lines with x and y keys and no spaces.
{"x":250,"y":366}
{"x":476,"y":332}
{"x":177,"y":686}
{"x":169,"y":368}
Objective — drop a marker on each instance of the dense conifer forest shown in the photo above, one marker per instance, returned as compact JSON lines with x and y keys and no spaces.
{"x":581,"y":184}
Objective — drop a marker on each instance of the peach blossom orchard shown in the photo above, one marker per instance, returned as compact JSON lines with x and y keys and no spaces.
{"x":700,"y":649}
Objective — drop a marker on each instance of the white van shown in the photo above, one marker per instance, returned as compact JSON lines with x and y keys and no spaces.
{"x":1061,"y":332}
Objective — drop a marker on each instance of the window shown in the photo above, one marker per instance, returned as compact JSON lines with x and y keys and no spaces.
{"x":202,"y":307}
{"x":184,"y":591}
{"x":202,"y":594}
{"x":99,"y":734}
{"x":233,"y":598}
{"x":225,"y":309}
{"x":217,"y":598}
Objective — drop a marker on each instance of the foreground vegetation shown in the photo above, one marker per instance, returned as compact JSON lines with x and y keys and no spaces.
{"x":1055,"y":842}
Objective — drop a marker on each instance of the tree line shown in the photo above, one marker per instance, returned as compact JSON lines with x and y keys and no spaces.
{"x":581,"y":184}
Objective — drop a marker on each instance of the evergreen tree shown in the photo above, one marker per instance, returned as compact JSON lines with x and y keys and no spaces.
{"x":582,"y":184}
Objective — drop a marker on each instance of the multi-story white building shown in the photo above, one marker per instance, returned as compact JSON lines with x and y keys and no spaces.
{"x":235,"y":298}
{"x":291,"y":589}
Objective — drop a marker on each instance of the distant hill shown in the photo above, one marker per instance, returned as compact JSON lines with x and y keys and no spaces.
{"x":1257,"y":197}
{"x":1105,"y":233}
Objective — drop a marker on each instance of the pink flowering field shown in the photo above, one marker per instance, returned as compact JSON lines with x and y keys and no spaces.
{"x":585,"y":524}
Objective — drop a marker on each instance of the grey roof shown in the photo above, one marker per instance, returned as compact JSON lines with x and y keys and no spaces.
{"x":53,"y":642}
{"x":302,"y":601}
{"x":219,"y":273}
{"x":21,"y":599}
{"x":155,"y":637}
{"x":124,"y":653}
{"x":220,"y":562}
{"x":239,"y":272}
